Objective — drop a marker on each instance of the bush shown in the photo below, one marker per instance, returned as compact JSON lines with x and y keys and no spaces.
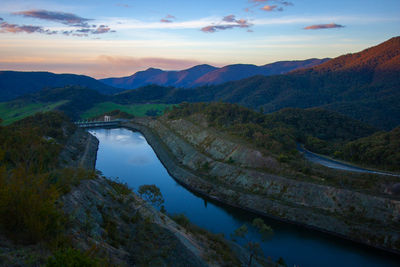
{"x":72,"y":258}
{"x":28,"y":210}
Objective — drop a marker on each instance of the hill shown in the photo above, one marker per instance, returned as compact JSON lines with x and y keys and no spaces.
{"x":184,"y":78}
{"x":319,"y":130}
{"x":206,"y":74}
{"x":16,"y":83}
{"x":380,"y":150}
{"x":74,"y":100}
{"x":364,"y":86}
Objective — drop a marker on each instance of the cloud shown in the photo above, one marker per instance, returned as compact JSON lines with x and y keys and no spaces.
{"x":276,"y":5}
{"x":68,"y":19}
{"x":6,"y":27}
{"x":229,"y":18}
{"x":123,"y":5}
{"x":230,"y":22}
{"x":101,"y":29}
{"x":286,"y":3}
{"x":14,"y":28}
{"x":61,"y":17}
{"x":1,"y":19}
{"x":323,"y":26}
{"x":271,"y":8}
{"x":168,"y":19}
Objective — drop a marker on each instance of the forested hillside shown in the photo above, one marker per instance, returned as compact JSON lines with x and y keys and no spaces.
{"x":379,"y":150}
{"x":364,"y":86}
{"x":319,"y":130}
{"x":17,"y":83}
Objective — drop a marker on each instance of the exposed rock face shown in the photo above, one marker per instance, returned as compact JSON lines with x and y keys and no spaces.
{"x":125,"y":229}
{"x":80,"y":151}
{"x":231,"y":172}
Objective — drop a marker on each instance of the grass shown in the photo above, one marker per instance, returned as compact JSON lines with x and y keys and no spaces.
{"x":13,"y":111}
{"x":134,"y":109}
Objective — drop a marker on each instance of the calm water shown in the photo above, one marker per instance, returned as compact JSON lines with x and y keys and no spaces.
{"x":127,"y":155}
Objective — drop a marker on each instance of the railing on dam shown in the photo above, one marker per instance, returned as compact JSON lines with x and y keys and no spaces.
{"x":92,"y":124}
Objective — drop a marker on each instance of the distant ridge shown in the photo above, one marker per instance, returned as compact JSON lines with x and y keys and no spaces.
{"x":17,"y":83}
{"x":207,"y":75}
{"x":363,"y":85}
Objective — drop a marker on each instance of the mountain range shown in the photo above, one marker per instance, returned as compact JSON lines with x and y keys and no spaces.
{"x":17,"y":83}
{"x":363,"y":85}
{"x":207,"y":75}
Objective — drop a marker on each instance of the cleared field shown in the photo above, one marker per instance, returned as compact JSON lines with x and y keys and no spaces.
{"x":11,"y":112}
{"x":134,"y":109}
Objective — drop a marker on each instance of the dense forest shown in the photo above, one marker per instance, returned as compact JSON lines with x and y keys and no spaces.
{"x":31,"y":179}
{"x":319,"y":130}
{"x":378,"y":150}
{"x":363,"y":86}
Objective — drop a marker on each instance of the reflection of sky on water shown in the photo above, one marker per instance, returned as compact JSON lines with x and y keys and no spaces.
{"x":140,"y":160}
{"x":127,"y":155}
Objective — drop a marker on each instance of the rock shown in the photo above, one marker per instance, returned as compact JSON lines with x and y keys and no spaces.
{"x":185,"y":149}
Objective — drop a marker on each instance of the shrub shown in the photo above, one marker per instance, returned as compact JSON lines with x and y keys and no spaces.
{"x":28,"y":210}
{"x":72,"y":258}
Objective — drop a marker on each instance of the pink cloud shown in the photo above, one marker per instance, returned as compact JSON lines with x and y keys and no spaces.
{"x":229,"y":18}
{"x":62,"y":17}
{"x":14,"y":28}
{"x":101,"y":67}
{"x":323,"y":26}
{"x":269,"y":5}
{"x":168,"y":19}
{"x":233,"y":23}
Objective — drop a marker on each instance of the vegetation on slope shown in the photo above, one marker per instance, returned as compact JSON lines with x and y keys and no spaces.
{"x":319,"y":130}
{"x":17,"y":110}
{"x":77,"y":99}
{"x":363,"y":86}
{"x":133,"y":109}
{"x":380,"y":150}
{"x":281,"y":130}
{"x":30,"y":180}
{"x":17,"y":83}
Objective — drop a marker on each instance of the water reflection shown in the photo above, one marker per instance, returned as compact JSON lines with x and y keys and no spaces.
{"x":127,"y":155}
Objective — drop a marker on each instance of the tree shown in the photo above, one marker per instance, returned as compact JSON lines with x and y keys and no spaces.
{"x":152,"y":112}
{"x":253,"y":247}
{"x":152,"y":194}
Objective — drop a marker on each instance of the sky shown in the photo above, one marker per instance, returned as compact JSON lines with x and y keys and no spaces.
{"x":114,"y":38}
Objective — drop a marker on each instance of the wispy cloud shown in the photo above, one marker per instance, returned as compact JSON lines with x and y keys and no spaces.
{"x":102,"y":29}
{"x":123,"y":5}
{"x":228,"y":22}
{"x":68,"y":19}
{"x":271,"y":8}
{"x":269,"y":5}
{"x":323,"y":26}
{"x":61,"y":17}
{"x":168,"y":19}
{"x":15,"y":28}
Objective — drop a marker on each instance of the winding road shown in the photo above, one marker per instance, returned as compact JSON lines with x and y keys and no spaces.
{"x":330,"y":163}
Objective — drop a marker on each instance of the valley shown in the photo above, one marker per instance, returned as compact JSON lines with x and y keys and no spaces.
{"x":309,"y":146}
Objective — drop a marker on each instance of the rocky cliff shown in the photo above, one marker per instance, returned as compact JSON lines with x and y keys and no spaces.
{"x":109,"y":225}
{"x":122,"y":229}
{"x":232,"y":172}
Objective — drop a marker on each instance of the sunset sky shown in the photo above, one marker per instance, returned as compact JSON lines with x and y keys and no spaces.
{"x":104,"y":38}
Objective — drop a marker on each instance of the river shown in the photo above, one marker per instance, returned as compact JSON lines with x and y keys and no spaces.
{"x":127,"y":155}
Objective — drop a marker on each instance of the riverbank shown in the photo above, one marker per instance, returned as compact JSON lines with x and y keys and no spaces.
{"x":106,"y":214}
{"x":290,"y":200}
